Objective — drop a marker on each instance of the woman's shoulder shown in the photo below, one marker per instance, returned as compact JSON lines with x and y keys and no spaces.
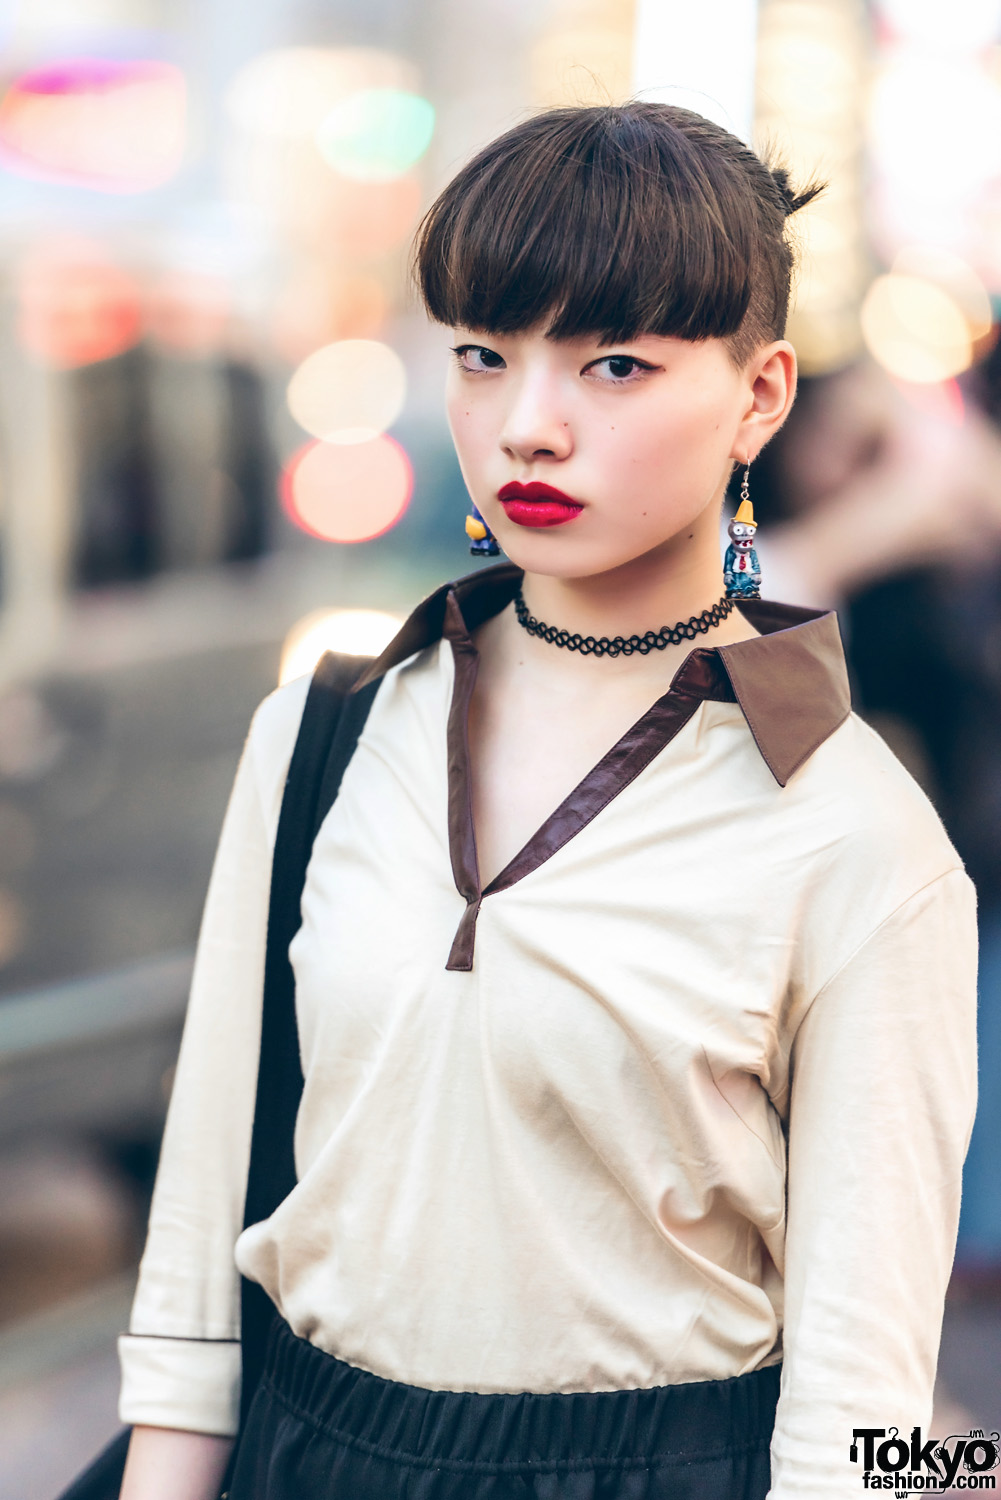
{"x":876,"y":845}
{"x":884,"y":820}
{"x":864,"y":767}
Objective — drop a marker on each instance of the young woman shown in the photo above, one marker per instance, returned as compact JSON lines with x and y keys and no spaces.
{"x":635,"y":979}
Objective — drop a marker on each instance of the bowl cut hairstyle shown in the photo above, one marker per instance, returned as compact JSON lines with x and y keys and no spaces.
{"x":612,"y":222}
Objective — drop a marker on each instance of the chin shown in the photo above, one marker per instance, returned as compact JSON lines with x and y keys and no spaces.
{"x":558,"y":556}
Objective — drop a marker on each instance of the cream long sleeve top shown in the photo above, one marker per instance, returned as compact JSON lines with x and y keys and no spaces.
{"x":684,"y":1091}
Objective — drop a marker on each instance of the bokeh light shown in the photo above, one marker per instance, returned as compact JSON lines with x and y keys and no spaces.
{"x":288,"y":93}
{"x":347,"y":492}
{"x":76,"y":306}
{"x":348,"y":392}
{"x":954,"y":276}
{"x":915,"y":329}
{"x":110,"y":125}
{"x":375,"y":135}
{"x":355,"y":632}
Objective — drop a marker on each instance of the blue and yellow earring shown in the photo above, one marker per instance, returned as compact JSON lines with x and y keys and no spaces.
{"x":482,"y":542}
{"x":741,"y":569}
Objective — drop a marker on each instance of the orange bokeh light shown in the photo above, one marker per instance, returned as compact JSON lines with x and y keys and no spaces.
{"x":347,"y":493}
{"x":115,"y":126}
{"x":77,"y":307}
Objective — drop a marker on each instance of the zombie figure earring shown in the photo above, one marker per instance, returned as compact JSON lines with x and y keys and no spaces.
{"x":482,"y":542}
{"x":741,"y":570}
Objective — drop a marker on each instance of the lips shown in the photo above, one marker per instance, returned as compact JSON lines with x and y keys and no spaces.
{"x":537,"y":504}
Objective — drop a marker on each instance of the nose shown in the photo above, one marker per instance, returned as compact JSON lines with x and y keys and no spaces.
{"x":536,"y":424}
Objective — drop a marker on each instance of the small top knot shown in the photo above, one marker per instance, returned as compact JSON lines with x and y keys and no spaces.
{"x":791,"y":200}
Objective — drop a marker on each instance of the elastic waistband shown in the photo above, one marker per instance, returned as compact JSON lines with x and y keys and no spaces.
{"x":469,"y":1430}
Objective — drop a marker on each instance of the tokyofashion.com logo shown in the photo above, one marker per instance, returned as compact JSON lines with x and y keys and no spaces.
{"x":962,"y":1461}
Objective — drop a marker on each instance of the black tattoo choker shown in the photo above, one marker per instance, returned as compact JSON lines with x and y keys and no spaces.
{"x":603,"y":645}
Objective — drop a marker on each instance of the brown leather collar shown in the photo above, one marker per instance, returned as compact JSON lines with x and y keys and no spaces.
{"x":790,"y":681}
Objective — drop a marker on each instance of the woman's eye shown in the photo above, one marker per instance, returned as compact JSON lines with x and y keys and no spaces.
{"x":476,"y":359}
{"x":617,"y":368}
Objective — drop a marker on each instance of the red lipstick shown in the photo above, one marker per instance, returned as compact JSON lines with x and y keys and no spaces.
{"x":537,"y":504}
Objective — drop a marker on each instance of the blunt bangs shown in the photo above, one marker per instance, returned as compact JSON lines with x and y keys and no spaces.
{"x":611,"y":222}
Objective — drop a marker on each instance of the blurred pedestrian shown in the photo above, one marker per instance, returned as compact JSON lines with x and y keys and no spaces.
{"x":891,"y":499}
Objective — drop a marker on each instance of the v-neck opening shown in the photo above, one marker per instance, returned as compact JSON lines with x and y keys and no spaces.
{"x":701,"y":676}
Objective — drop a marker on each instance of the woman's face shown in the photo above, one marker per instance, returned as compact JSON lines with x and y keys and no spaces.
{"x":638,"y":438}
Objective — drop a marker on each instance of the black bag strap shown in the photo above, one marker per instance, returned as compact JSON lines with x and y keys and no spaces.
{"x":332,"y":720}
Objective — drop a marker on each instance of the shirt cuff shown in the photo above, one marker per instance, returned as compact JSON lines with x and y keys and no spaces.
{"x":190,"y":1384}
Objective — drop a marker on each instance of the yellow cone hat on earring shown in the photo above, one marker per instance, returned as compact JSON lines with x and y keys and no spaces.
{"x":745,"y":514}
{"x":475,"y":529}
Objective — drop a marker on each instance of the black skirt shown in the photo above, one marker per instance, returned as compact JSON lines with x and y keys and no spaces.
{"x":320,"y":1429}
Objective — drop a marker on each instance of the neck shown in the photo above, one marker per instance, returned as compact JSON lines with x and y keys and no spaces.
{"x":644,"y":594}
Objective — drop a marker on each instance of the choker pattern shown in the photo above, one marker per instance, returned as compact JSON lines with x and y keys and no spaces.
{"x":603,"y":645}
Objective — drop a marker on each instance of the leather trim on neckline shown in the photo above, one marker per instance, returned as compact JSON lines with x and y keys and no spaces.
{"x":700,"y":677}
{"x":791,"y":680}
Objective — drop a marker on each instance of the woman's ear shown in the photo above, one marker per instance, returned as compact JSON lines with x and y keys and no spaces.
{"x":771,"y":389}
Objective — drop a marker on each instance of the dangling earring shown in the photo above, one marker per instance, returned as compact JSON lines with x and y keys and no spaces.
{"x":741,"y":570}
{"x":482,"y":542}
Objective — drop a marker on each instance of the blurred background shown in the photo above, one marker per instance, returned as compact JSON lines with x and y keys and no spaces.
{"x":222,"y":448}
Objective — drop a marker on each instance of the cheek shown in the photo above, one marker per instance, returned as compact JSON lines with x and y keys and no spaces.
{"x":664,"y":446}
{"x":455,"y":411}
{"x":629,"y":441}
{"x":470,"y":425}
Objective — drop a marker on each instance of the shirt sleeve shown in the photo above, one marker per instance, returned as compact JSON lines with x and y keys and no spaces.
{"x":181,"y":1357}
{"x":881,"y":1109}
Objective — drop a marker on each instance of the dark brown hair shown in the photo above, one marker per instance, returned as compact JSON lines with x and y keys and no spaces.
{"x":614,"y":220}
